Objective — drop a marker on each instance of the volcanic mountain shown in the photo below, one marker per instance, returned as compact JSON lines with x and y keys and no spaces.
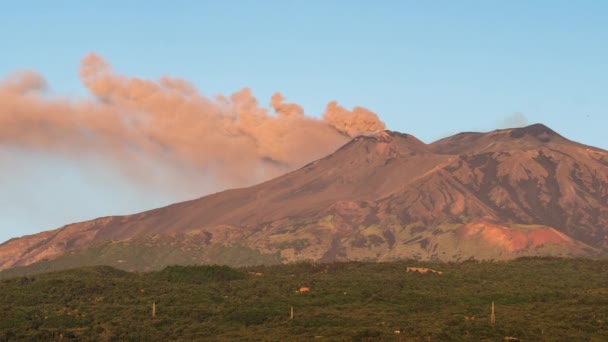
{"x":496,"y":195}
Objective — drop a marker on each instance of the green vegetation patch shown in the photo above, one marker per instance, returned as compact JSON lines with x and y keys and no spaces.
{"x":536,"y":299}
{"x":198,"y":274}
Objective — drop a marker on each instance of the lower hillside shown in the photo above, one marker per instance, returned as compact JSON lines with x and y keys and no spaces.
{"x":536,"y":299}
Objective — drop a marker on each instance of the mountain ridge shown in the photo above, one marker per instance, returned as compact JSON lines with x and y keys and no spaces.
{"x":372,"y":196}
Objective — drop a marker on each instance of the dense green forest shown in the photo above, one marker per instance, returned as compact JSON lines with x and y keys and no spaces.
{"x":536,"y":299}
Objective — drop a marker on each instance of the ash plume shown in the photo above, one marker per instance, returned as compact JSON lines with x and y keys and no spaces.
{"x":514,"y":120}
{"x":165,"y":130}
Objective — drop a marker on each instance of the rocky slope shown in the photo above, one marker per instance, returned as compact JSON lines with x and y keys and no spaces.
{"x":496,"y":195}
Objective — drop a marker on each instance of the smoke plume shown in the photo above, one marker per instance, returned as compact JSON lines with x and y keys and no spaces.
{"x":165,"y":130}
{"x":514,"y":120}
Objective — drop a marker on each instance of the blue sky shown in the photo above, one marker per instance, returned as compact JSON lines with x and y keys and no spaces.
{"x":429,"y":68}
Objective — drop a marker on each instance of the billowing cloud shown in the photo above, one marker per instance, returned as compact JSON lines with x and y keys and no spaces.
{"x":354,"y":122}
{"x":285,"y":109}
{"x":135,"y":125}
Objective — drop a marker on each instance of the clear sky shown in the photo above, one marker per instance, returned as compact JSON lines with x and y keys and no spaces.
{"x":429,"y":68}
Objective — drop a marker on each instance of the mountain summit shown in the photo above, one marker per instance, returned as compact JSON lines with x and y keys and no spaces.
{"x":495,"y":195}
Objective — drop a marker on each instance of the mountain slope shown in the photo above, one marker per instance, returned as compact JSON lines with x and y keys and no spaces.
{"x":496,"y":195}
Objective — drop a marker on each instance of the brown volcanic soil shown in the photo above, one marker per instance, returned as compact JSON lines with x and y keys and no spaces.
{"x":388,"y":196}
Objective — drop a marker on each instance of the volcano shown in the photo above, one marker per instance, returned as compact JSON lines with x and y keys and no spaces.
{"x":497,"y":195}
